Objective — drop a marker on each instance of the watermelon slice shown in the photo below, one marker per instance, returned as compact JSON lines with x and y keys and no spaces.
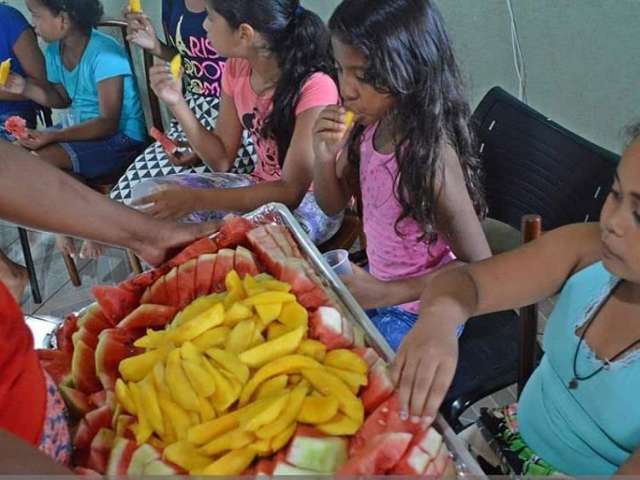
{"x":414,"y":462}
{"x":379,"y":387}
{"x":204,"y":274}
{"x":57,"y":364}
{"x":83,"y":369}
{"x":77,"y":402}
{"x":89,"y":338}
{"x":157,"y":293}
{"x":224,"y":264}
{"x":441,"y":459}
{"x":245,"y":262}
{"x":148,"y":316}
{"x":430,"y":442}
{"x":64,"y":333}
{"x":328,"y":326}
{"x":267,"y":250}
{"x":283,"y":468}
{"x":114,"y":345}
{"x":99,"y":450}
{"x":167,"y":144}
{"x":187,"y":283}
{"x":94,"y":320}
{"x":369,"y":355}
{"x":379,"y":455}
{"x":233,"y":232}
{"x":115,"y":302}
{"x":143,"y":456}
{"x":90,"y":425}
{"x":318,"y":454}
{"x":120,"y":457}
{"x":141,"y":282}
{"x":200,"y":247}
{"x":171,"y":287}
{"x":17,"y":127}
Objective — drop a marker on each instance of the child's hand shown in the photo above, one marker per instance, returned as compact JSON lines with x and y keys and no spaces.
{"x":168,"y":202}
{"x":365,"y":288}
{"x":185,"y":159}
{"x":35,"y":140}
{"x":167,"y":88}
{"x":330,"y":133}
{"x":141,"y":31}
{"x":16,"y":84}
{"x":424,"y":367}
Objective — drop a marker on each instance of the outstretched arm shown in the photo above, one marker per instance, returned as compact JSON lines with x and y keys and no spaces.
{"x":37,"y":195}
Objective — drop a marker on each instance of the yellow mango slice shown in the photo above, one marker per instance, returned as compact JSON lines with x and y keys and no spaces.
{"x":237,"y":312}
{"x":159,"y":378}
{"x":272,"y":385}
{"x":270,"y":413}
{"x":225,"y":394}
{"x":135,"y":6}
{"x":175,"y":66}
{"x":294,"y":315}
{"x":288,"y":416}
{"x":268,"y":312}
{"x":212,"y":318}
{"x":339,"y":425}
{"x":179,"y":384}
{"x":277,"y":329}
{"x":179,"y":418}
{"x":318,"y":410}
{"x":153,"y":339}
{"x":330,"y":385}
{"x":230,"y":362}
{"x":200,"y":378}
{"x":232,"y":440}
{"x":5,"y":70}
{"x":262,"y":447}
{"x":197,"y":307}
{"x":251,"y":286}
{"x":346,"y":360}
{"x":275,"y":285}
{"x":124,"y":397}
{"x":231,"y":464}
{"x":241,"y":336}
{"x":353,"y":380}
{"x":286,"y":364}
{"x":268,"y":351}
{"x":280,"y":440}
{"x":349,"y":118}
{"x":189,"y":352}
{"x":211,"y":338}
{"x":233,"y":281}
{"x":267,"y":298}
{"x":186,"y":456}
{"x":205,"y":432}
{"x":170,"y":435}
{"x":149,"y":400}
{"x":313,"y":349}
{"x":258,"y":339}
{"x":134,"y":369}
{"x":142,"y":429}
{"x":207,"y":412}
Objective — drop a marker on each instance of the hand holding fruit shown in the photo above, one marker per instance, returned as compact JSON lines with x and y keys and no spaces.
{"x":141,"y":31}
{"x":330,"y":132}
{"x":424,"y":366}
{"x":35,"y":140}
{"x":168,"y":202}
{"x":15,"y":84}
{"x":165,"y":85}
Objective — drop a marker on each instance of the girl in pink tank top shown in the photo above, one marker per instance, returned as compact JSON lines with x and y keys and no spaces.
{"x":409,"y":155}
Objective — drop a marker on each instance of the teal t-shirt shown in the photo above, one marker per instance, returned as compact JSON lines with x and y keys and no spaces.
{"x":102,"y":59}
{"x":595,"y":428}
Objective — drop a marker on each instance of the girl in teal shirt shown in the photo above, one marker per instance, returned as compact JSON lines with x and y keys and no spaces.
{"x":579,"y":413}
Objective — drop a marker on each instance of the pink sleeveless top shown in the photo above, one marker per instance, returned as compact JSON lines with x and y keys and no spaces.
{"x":392,"y":256}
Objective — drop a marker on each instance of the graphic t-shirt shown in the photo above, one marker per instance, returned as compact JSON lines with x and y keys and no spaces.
{"x":202,"y":65}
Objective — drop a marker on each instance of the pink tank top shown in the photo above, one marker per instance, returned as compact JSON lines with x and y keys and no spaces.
{"x":392,"y":256}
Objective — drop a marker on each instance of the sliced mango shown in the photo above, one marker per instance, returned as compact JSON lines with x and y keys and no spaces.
{"x":207,"y":320}
{"x":241,"y":336}
{"x":288,"y":416}
{"x":339,"y":425}
{"x":280,"y":440}
{"x":134,"y":369}
{"x":200,"y":378}
{"x":124,"y":397}
{"x":353,"y":380}
{"x":273,"y":349}
{"x":185,"y":455}
{"x":178,"y":417}
{"x":230,"y":362}
{"x":318,"y":410}
{"x":294,"y":315}
{"x":211,"y":338}
{"x":346,"y":360}
{"x":175,"y":66}
{"x":269,"y":414}
{"x":179,"y":385}
{"x":330,"y":385}
{"x":313,"y":349}
{"x":232,"y":440}
{"x":272,"y":385}
{"x":267,"y":298}
{"x":135,"y":6}
{"x":231,"y":464}
{"x":150,"y":405}
{"x":205,"y":432}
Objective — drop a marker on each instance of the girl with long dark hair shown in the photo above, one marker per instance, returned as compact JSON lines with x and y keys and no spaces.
{"x":410,"y":155}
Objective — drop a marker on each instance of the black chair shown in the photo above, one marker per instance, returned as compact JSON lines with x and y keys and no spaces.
{"x":532,"y":166}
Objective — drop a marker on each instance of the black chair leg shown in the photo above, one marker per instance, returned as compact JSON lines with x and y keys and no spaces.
{"x":31,"y":269}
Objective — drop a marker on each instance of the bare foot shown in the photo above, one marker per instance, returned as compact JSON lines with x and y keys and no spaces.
{"x":91,"y":249}
{"x":66,"y":245}
{"x":16,"y":281}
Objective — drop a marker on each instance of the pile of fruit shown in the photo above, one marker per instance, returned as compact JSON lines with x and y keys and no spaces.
{"x":228,"y":362}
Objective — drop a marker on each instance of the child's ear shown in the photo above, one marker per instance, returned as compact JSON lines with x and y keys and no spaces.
{"x":246,"y":34}
{"x":65,"y":22}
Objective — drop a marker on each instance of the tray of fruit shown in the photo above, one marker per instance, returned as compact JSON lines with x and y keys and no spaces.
{"x":243,"y":355}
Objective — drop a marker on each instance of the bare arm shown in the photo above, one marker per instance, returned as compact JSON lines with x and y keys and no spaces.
{"x":631,"y":466}
{"x":28,"y":53}
{"x":332,"y":180}
{"x":20,"y":458}
{"x":56,"y":202}
{"x":141,"y":31}
{"x":290,"y":189}
{"x":426,"y":361}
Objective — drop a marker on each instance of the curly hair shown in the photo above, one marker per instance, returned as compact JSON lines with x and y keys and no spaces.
{"x":301,"y":43}
{"x":85,"y":14}
{"x":410,"y":57}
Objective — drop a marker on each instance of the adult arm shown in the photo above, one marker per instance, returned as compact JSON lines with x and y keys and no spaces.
{"x":20,"y":458}
{"x":30,"y":57}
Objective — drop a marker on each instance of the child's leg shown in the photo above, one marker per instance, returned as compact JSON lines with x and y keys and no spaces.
{"x":313,"y":220}
{"x":14,"y":276}
{"x":393,"y":323}
{"x":55,"y":155}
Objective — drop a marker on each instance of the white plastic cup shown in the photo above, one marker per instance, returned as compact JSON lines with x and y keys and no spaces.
{"x":339,"y":261}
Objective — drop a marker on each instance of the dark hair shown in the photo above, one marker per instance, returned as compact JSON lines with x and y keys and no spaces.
{"x":409,"y":56}
{"x":85,"y":14}
{"x":301,"y":43}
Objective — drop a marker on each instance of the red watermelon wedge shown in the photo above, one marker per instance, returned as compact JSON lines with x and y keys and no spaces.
{"x":200,"y":247}
{"x":158,"y":293}
{"x":233,"y":232}
{"x":57,"y":364}
{"x":224,"y":264}
{"x":148,"y":316}
{"x":245,"y":262}
{"x":378,"y":456}
{"x":171,"y":288}
{"x":204,"y":273}
{"x":187,"y":283}
{"x":83,"y":369}
{"x":114,"y":345}
{"x":114,"y":302}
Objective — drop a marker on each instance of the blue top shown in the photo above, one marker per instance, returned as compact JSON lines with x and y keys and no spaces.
{"x":102,"y":59}
{"x":593,"y":429}
{"x":203,"y":66}
{"x":13,"y":26}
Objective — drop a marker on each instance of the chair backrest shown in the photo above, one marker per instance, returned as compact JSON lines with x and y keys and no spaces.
{"x":534,"y":166}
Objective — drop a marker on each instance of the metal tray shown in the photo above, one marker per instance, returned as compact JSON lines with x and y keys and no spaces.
{"x":280,"y":214}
